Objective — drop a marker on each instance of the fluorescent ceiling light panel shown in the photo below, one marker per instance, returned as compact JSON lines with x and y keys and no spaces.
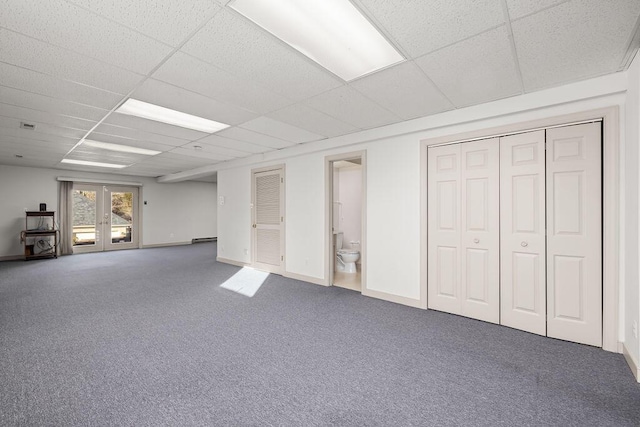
{"x":331,"y":32}
{"x":98,"y":164}
{"x":119,"y":147}
{"x":134,"y":107}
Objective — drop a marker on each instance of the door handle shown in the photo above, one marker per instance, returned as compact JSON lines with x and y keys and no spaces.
{"x":476,"y":240}
{"x":254,"y":226}
{"x":524,"y":244}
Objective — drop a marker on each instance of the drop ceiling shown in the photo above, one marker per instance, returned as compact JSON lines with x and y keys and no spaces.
{"x":66,"y":65}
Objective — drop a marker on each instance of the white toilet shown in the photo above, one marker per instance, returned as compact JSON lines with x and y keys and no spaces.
{"x":345,"y":258}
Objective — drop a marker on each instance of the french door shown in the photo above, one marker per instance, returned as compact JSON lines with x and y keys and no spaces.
{"x":104,"y":218}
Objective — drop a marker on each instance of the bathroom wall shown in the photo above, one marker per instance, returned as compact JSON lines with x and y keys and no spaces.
{"x":350,"y":195}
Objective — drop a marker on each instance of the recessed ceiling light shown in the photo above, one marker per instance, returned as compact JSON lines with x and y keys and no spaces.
{"x":331,"y":32}
{"x":134,"y":107}
{"x":119,"y":147}
{"x":88,"y":163}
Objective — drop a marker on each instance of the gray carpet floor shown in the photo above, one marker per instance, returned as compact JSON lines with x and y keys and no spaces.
{"x":147,"y":337}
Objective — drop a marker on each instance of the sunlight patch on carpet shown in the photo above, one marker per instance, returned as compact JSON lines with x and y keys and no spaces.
{"x":246,"y":281}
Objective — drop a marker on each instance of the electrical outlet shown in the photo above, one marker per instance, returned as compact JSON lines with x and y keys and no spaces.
{"x":171,"y":235}
{"x":634,"y":328}
{"x":246,"y":251}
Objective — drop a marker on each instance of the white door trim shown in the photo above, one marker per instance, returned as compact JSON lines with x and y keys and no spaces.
{"x":328,"y":214}
{"x":610,"y":201}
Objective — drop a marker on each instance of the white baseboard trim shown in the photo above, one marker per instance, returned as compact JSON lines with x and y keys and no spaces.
{"x":12,"y":258}
{"x":304,"y":278}
{"x":163,"y":245}
{"x":392,"y":298}
{"x":631,"y":362}
{"x":232,"y":262}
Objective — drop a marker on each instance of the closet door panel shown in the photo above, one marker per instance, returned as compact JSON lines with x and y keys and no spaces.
{"x":522,"y":232}
{"x":480,"y":204}
{"x":574,"y":236}
{"x":443,"y":187}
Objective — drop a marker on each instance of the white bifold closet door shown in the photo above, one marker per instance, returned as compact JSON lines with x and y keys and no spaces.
{"x":463,"y":243}
{"x":574,"y":234}
{"x":268,"y":203}
{"x":522,"y":232}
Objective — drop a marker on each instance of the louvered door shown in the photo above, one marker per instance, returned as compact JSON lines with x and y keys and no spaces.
{"x":268,"y":219}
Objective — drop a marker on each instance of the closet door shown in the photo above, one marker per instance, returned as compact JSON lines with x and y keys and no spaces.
{"x":443,"y":198}
{"x":522,"y":232}
{"x":574,"y":241}
{"x":463,"y":242}
{"x":480,"y":237}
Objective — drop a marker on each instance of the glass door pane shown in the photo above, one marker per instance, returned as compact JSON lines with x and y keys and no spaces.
{"x":121,"y":209}
{"x":121,"y":217}
{"x":87,"y":209}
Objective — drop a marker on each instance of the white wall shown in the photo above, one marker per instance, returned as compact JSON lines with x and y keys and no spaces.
{"x":349,"y":194}
{"x":175,"y":213}
{"x":394,"y":189}
{"x":631,"y":185}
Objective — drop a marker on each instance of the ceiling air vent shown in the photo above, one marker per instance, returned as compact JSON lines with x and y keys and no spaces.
{"x":29,"y":126}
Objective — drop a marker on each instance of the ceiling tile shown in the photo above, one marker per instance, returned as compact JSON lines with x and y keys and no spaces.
{"x":65,"y":64}
{"x":176,"y":160}
{"x":212,"y":148}
{"x":43,"y":128}
{"x":280,"y":130}
{"x":234,"y":144}
{"x":152,"y":126}
{"x":34,"y":135}
{"x":11,"y":160}
{"x":202,"y":154}
{"x":32,"y":81}
{"x":135,"y":134}
{"x":479,"y":69}
{"x":48,"y":104}
{"x":573,"y":41}
{"x":349,"y":105}
{"x":520,"y":8}
{"x":254,"y":138}
{"x":236,"y":45}
{"x":190,"y":73}
{"x":312,"y":120}
{"x":169,"y":96}
{"x":32,"y":147}
{"x":169,"y":21}
{"x":64,"y":24}
{"x":405,"y":90}
{"x":29,"y":116}
{"x":422,"y":26}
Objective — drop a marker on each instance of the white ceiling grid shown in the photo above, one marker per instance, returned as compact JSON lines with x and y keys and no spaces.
{"x":65,"y":65}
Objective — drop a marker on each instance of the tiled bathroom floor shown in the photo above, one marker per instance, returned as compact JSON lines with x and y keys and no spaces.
{"x":348,"y":280}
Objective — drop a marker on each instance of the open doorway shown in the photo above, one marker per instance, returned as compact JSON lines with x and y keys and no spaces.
{"x":345,"y":206}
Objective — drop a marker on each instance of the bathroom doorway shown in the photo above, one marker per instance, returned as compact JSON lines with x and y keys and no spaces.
{"x":346,"y":225}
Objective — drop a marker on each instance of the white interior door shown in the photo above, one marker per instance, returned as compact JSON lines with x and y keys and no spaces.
{"x":443,"y":198}
{"x":574,"y":236}
{"x":463,"y":242}
{"x":268,"y":219}
{"x":522,"y":232}
{"x":480,"y":237}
